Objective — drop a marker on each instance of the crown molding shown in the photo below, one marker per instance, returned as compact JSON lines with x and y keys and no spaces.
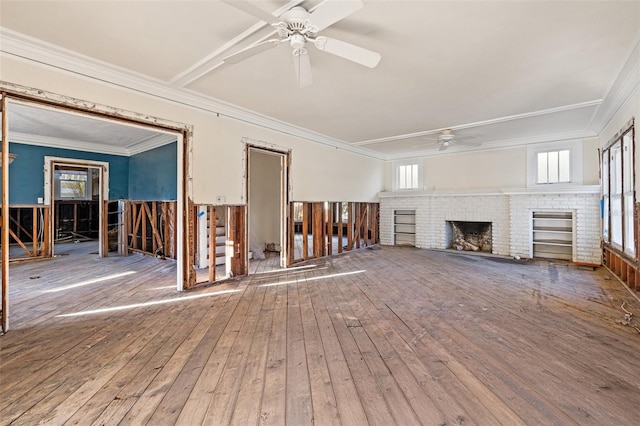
{"x":509,"y":143}
{"x":29,"y":139}
{"x":626,"y":81}
{"x":48,"y":55}
{"x":143,"y":145}
{"x":555,"y":110}
{"x":152,"y":142}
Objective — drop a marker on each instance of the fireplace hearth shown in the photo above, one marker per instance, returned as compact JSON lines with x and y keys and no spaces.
{"x":469,"y":236}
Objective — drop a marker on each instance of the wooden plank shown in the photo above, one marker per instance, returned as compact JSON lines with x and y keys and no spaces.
{"x":104,"y":228}
{"x":20,"y":243}
{"x":224,"y":399}
{"x":153,"y":218}
{"x":366,"y":213}
{"x":291,"y":252}
{"x":323,"y":399}
{"x":318,"y":229}
{"x":350,"y":227}
{"x":20,"y":228}
{"x":298,"y":409}
{"x":340,"y":230}
{"x":196,"y":407}
{"x":305,"y":231}
{"x":212,"y":244}
{"x":274,"y":400}
{"x":458,"y":339}
{"x":329,"y":224}
{"x":46,"y":244}
{"x":4,"y":238}
{"x":166,"y":219}
{"x":357,"y":236}
{"x":136,"y":216}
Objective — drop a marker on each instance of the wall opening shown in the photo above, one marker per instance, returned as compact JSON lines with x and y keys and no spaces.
{"x":266,"y":197}
{"x":469,"y":236}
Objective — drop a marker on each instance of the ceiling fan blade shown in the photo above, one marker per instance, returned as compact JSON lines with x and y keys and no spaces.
{"x":354,"y":53}
{"x":253,"y":10}
{"x":251,"y":51}
{"x":331,"y":11}
{"x":302,"y":65}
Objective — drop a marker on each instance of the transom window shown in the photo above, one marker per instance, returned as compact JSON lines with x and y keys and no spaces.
{"x":554,"y":167}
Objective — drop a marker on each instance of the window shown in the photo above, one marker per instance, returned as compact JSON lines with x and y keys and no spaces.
{"x":554,"y":167}
{"x":618,"y":195}
{"x":72,"y":185}
{"x":407,"y":176}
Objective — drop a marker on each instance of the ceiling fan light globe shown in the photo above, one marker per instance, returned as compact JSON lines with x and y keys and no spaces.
{"x":297,"y":41}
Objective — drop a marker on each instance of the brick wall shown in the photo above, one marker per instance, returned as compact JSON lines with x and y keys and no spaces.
{"x":509,"y":213}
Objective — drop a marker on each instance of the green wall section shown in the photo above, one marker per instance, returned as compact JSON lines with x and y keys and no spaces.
{"x":150,"y":175}
{"x":153,"y":174}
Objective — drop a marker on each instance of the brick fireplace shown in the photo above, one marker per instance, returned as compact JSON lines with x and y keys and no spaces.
{"x":469,"y":236}
{"x":508,"y":212}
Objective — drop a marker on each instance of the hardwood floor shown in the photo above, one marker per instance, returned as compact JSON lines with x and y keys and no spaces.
{"x":391,"y":336}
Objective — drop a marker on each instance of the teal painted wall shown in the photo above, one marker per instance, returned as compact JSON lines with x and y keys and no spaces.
{"x":26,"y":176}
{"x":153,"y":174}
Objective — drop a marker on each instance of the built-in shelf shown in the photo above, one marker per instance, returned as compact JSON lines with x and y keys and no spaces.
{"x":404,"y":227}
{"x":553,"y":234}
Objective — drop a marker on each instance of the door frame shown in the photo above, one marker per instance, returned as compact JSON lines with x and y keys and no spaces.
{"x":50,"y":164}
{"x":184,"y":134}
{"x":285,"y":164}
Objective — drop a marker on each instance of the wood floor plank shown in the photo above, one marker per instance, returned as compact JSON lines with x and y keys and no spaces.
{"x":274,"y":399}
{"x":299,"y":408}
{"x":388,"y":336}
{"x":323,"y":400}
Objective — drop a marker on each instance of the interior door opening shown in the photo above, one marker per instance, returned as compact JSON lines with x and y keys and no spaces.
{"x":266,"y":200}
{"x":77,"y":200}
{"x":78,"y":147}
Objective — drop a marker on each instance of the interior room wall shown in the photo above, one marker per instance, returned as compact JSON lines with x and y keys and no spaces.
{"x":591,"y":164}
{"x":264,"y":199}
{"x":26,"y":176}
{"x":318,"y":172}
{"x":504,"y":168}
{"x":153,"y":173}
{"x":499,"y":168}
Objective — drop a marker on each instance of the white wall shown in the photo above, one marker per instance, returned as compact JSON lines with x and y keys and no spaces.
{"x":500,"y":168}
{"x":504,"y":168}
{"x":319,"y":172}
{"x":264,"y":199}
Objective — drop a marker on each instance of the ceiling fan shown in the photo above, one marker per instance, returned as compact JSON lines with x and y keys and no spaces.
{"x":446,"y":138}
{"x":299,"y":27}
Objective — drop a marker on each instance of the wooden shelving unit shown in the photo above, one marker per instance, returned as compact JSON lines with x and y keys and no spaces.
{"x":404,"y":227}
{"x":553,"y":234}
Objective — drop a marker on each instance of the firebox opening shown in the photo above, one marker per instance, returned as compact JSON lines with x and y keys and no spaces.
{"x":469,"y":236}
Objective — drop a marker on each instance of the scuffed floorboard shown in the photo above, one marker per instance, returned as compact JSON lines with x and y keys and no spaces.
{"x":391,"y":336}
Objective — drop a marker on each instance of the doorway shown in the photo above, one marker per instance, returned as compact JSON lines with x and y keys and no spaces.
{"x":267,"y":183}
{"x":77,"y":194}
{"x":77,"y":147}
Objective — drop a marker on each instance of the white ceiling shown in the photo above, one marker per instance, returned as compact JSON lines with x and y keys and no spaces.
{"x":503,"y":72}
{"x":39,"y":126}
